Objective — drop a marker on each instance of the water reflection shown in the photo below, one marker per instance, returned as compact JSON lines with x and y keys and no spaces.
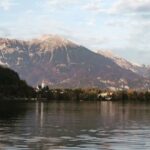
{"x":9,"y":110}
{"x":82,"y":125}
{"x":39,"y":113}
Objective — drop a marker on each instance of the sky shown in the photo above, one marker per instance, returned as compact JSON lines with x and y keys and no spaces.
{"x":121,"y":26}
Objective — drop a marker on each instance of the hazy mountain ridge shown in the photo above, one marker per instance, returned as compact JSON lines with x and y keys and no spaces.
{"x":61,"y":63}
{"x":125,"y":64}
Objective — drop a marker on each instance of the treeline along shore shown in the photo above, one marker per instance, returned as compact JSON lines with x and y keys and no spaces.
{"x":13,"y":88}
{"x":91,"y":94}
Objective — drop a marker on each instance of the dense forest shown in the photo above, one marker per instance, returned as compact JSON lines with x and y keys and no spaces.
{"x":11,"y":86}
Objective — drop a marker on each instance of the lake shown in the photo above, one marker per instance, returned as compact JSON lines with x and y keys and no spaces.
{"x":74,"y":126}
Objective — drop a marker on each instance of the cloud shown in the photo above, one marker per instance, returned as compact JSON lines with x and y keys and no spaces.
{"x":4,"y":32}
{"x":90,"y":5}
{"x":130,"y":6}
{"x":94,"y":6}
{"x":91,"y":23}
{"x":139,"y":36}
{"x":97,"y":6}
{"x":6,"y":4}
{"x":92,"y":42}
{"x":118,"y":6}
{"x":53,"y":5}
{"x":57,"y":3}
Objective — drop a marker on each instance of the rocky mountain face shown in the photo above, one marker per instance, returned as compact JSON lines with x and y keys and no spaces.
{"x":141,"y":70}
{"x":58,"y":62}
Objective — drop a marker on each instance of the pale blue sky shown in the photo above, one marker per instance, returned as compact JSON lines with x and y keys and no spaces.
{"x":122,"y":26}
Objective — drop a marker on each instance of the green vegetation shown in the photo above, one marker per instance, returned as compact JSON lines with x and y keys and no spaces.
{"x":11,"y":87}
{"x":68,"y":94}
{"x":131,"y":95}
{"x":93,"y":94}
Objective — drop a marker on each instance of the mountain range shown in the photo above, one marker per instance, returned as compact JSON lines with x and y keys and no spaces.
{"x":142,"y":70}
{"x":61,"y":63}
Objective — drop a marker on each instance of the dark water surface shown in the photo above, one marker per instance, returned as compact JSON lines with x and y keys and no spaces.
{"x":74,"y":126}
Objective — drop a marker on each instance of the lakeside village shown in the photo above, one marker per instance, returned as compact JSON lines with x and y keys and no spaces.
{"x":91,"y":94}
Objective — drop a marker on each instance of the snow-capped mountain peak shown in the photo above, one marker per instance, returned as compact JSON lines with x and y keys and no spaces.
{"x":53,"y":41}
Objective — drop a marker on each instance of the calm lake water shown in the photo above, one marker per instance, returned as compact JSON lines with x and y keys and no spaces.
{"x":74,"y":126}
